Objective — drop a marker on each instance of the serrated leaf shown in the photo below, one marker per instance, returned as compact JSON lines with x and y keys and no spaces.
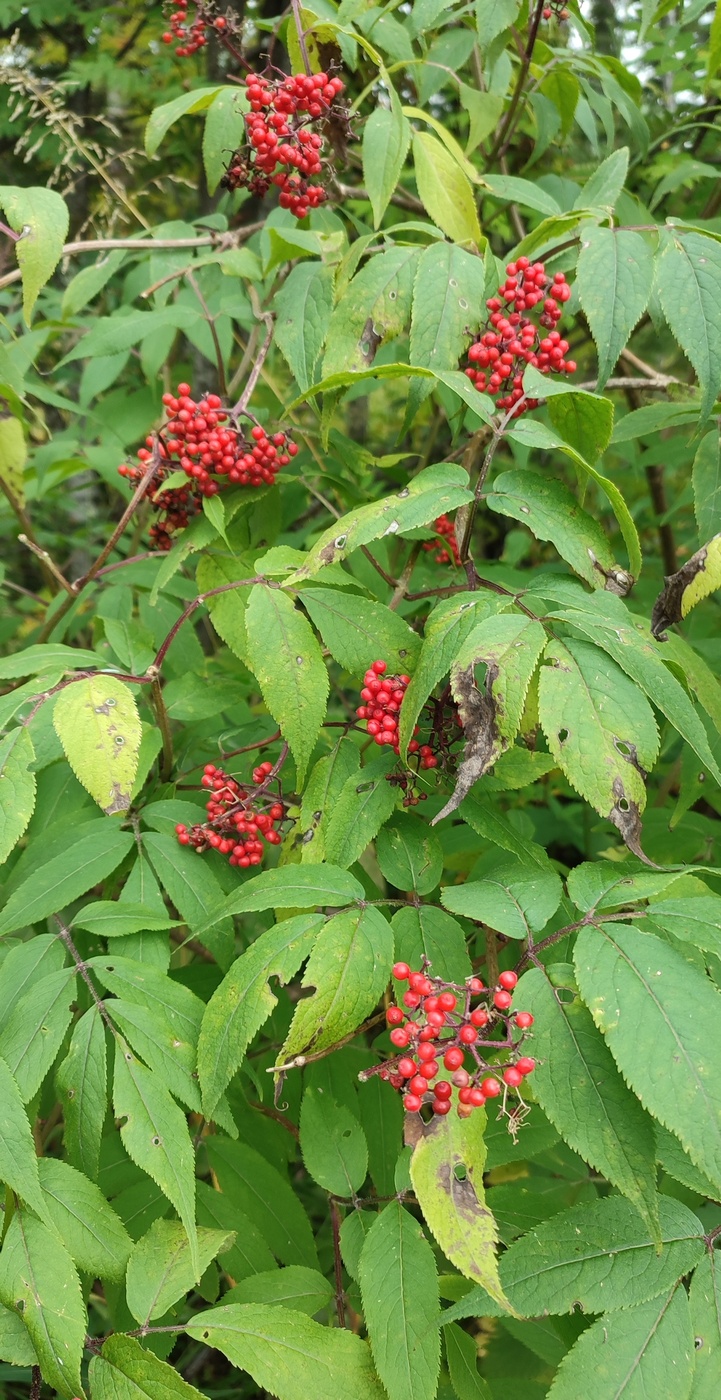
{"x":109,"y":919}
{"x":431,"y":492}
{"x":18,"y":1162}
{"x":492,"y":17}
{"x":693,"y":920}
{"x":194,"y":890}
{"x":579,"y":1088}
{"x":305,"y":1290}
{"x":462,"y":1359}
{"x":81,"y":1086}
{"x":524,"y":192}
{"x":286,"y":658}
{"x":365,"y":802}
{"x":266,"y":1196}
{"x":17,"y":788}
{"x":223,"y":131}
{"x":38,"y":1279}
{"x":447,"y":1175}
{"x":65,"y":877}
{"x":509,"y":646}
{"x":93,"y":1234}
{"x":447,"y":301}
{"x":614,"y":276}
{"x":646,"y":1350}
{"x":249,"y":1254}
{"x":161,"y":120}
{"x":358,"y":630}
{"x":585,"y":421}
{"x":694,"y":581}
{"x":13,"y":456}
{"x":386,"y":139}
{"x":706,"y":478}
{"x":677,"y":1163}
{"x":410,"y":856}
{"x":623,"y":973}
{"x":42,"y":219}
{"x":705,"y":1304}
{"x":447,"y":627}
{"x":16,"y":1349}
{"x":304,"y":306}
{"x":125,"y":1370}
{"x":155,"y":1135}
{"x":515,"y":900}
{"x":689,"y":288}
{"x":160,"y":1270}
{"x":423,"y":931}
{"x":166,"y":1050}
{"x":243,"y":1001}
{"x":98,"y":725}
{"x":333,"y":1144}
{"x":399,"y":1289}
{"x":552,"y":513}
{"x":601,"y":731}
{"x":33,"y":1032}
{"x":374,"y":308}
{"x":288,"y":1353}
{"x":349,"y":967}
{"x":600,"y":1256}
{"x":444,"y":189}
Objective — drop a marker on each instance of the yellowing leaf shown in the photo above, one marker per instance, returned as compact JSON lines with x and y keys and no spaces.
{"x":700,"y":576}
{"x":98,"y":725}
{"x":41,"y":217}
{"x":12,"y":456}
{"x":445,"y":191}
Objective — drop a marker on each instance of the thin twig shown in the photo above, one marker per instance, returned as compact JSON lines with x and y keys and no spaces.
{"x":210,"y":322}
{"x":161,"y":714}
{"x":82,"y":968}
{"x":299,"y":1061}
{"x":49,"y":562}
{"x":241,"y":406}
{"x":336,"y":1222}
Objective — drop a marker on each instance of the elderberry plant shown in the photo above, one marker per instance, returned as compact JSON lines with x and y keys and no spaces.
{"x":360,"y":701}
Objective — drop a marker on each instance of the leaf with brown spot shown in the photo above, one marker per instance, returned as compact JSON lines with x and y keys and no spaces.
{"x":700,"y":576}
{"x":97,"y":723}
{"x":447,"y":1175}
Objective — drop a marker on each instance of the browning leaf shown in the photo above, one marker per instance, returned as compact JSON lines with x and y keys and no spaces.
{"x":699,"y":576}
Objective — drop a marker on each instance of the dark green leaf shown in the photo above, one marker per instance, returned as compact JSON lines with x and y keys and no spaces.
{"x":66,"y":877}
{"x":334,"y":1147}
{"x":266,"y":1197}
{"x":349,"y":967}
{"x":646,"y":1350}
{"x":38,"y":1279}
{"x":399,"y":1288}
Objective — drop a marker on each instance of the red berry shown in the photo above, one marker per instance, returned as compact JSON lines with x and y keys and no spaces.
{"x":412,"y":1103}
{"x":441,"y":1107}
{"x":479,"y":1017}
{"x":468,"y":1035}
{"x":400,"y":1037}
{"x":523,"y":1020}
{"x":508,"y":980}
{"x":394,"y":1016}
{"x":525,"y":1065}
{"x":446,"y":1001}
{"x":453,"y":1058}
{"x":429,"y":1069}
{"x":502,"y":1000}
{"x":490,"y":1088}
{"x":426,"y":1051}
{"x":406,"y":1067}
{"x":401,"y":971}
{"x":476,"y":1097}
{"x":417,"y":1085}
{"x":513,"y":1077}
{"x":443,"y":1089}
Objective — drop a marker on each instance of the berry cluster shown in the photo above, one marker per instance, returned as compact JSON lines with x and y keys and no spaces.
{"x":383,"y":697}
{"x":197,"y":440}
{"x":439,"y":1020}
{"x":512,"y":340}
{"x":447,"y":551}
{"x":281,"y":149}
{"x":235,"y":826}
{"x":190,"y":35}
{"x":558,"y":9}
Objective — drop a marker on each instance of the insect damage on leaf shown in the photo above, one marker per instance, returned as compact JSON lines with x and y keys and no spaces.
{"x":477,"y":712}
{"x":700,"y":575}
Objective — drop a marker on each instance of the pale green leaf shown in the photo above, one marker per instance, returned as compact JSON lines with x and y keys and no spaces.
{"x":305,"y":1290}
{"x":98,"y":725}
{"x":492,"y":17}
{"x":333,"y":1144}
{"x":678,"y":1164}
{"x":349,"y":968}
{"x":160,"y":1270}
{"x":689,"y":289}
{"x":365,"y":802}
{"x":706,"y":478}
{"x":38,"y":1279}
{"x":552,"y":513}
{"x":694,"y":920}
{"x":81,"y":1086}
{"x":286,"y":658}
{"x":614,"y":277}
{"x":399,"y":1289}
{"x":42,"y":219}
{"x":161,"y":120}
{"x":524,"y":192}
{"x":17,"y":788}
{"x":16,"y":1349}
{"x":444,"y":189}
{"x":125,"y":1370}
{"x":515,"y":900}
{"x":374,"y":308}
{"x":304,"y":305}
{"x":423,"y":931}
{"x":450,"y":623}
{"x":294,"y":887}
{"x":18,"y":1162}
{"x":223,"y":131}
{"x":644,"y":1351}
{"x":65,"y":877}
{"x":447,"y":305}
{"x":109,"y":919}
{"x":604,"y":186}
{"x":705,"y":1302}
{"x":409,"y":854}
{"x":34,"y":1031}
{"x":386,"y":138}
{"x":358,"y":630}
{"x":13,"y":456}
{"x":321,"y":794}
{"x":93,"y":1234}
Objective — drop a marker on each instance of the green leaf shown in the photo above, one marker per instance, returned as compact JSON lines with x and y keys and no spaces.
{"x":98,"y":725}
{"x":249,"y":1254}
{"x":349,"y":968}
{"x":579,"y":1088}
{"x":17,"y":788}
{"x":244,"y":1001}
{"x":493,"y":826}
{"x":87,"y":283}
{"x":321,"y":794}
{"x":399,"y":1289}
{"x":694,"y":581}
{"x":422,"y":931}
{"x":224,"y":130}
{"x":38,"y":1279}
{"x":41,"y":217}
{"x":601,"y":731}
{"x":614,"y":276}
{"x":13,"y":456}
{"x":160,"y":1270}
{"x":227,"y":610}
{"x":517,"y":191}
{"x":304,"y":306}
{"x":81,"y":1086}
{"x":163,"y":1046}
{"x":333,"y":1144}
{"x":110,"y":335}
{"x":431,"y":492}
{"x":287,"y":1353}
{"x":447,"y":301}
{"x":108,"y":919}
{"x":382,"y":1119}
{"x":444,"y":189}
{"x":16,"y":1349}
{"x":357,"y":630}
{"x":194,"y":890}
{"x":462,"y":1359}
{"x":286,"y":658}
{"x":161,"y":120}
{"x":374,"y":308}
{"x":65,"y":877}
{"x":304,"y":1290}
{"x":678,"y":1164}
{"x":696,"y":920}
{"x":33,"y":1032}
{"x":492,"y":17}
{"x":386,"y":138}
{"x":294,"y":887}
{"x":125,"y":1370}
{"x":599,"y":1257}
{"x":450,"y":623}
{"x":92,"y":1233}
{"x":707,"y":486}
{"x":266,"y":1197}
{"x":552,"y":513}
{"x":410,"y":856}
{"x":670,"y":1053}
{"x":515,"y":900}
{"x":705,"y":1303}
{"x":18,"y":1162}
{"x":365,"y":802}
{"x":646,"y":1350}
{"x":155,"y":1135}
{"x":585,"y":421}
{"x":53,"y":656}
{"x":605,"y":185}
{"x":689,"y":289}
{"x":509,"y":646}
{"x":447,"y":1175}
